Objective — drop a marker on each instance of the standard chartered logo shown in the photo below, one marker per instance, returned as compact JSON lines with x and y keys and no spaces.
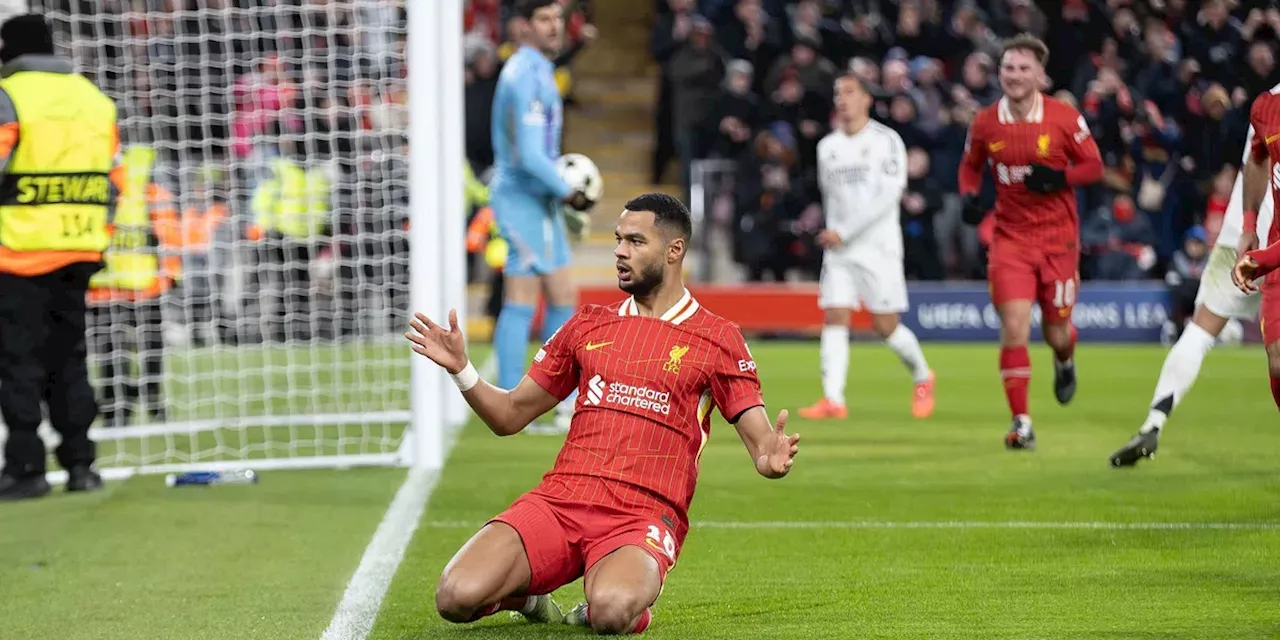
{"x":595,"y":390}
{"x":1007,"y":174}
{"x":625,"y":395}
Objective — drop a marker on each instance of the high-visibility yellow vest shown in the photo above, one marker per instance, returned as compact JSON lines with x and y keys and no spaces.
{"x":56,"y":192}
{"x":294,"y":201}
{"x":132,"y":260}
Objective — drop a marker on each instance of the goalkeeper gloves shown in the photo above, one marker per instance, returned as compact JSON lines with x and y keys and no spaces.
{"x":579,"y":201}
{"x":577,"y":222}
{"x":974,"y":212}
{"x":1044,"y":179}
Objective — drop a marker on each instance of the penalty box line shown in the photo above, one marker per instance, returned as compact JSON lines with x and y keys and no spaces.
{"x":951,"y":524}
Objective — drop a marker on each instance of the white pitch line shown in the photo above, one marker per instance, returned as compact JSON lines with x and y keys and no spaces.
{"x":954,"y":524}
{"x":360,"y":603}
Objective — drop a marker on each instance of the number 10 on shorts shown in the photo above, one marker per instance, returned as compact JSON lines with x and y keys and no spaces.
{"x":1064,"y":293}
{"x":662,"y":542}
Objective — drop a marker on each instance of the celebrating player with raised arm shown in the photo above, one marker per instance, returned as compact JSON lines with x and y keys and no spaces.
{"x":1259,"y":175}
{"x":1217,"y":301}
{"x":615,"y":505}
{"x":862,"y":171}
{"x":1039,"y":149}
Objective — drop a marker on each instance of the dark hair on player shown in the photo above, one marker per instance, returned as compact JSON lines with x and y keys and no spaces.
{"x":526,"y":8}
{"x":668,"y":212}
{"x":1029,"y":43}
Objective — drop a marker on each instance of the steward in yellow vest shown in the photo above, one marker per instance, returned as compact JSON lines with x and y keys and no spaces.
{"x":142,"y":263}
{"x":291,"y":211}
{"x":58,"y":141}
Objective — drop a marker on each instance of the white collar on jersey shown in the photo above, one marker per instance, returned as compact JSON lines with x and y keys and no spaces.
{"x":1036,"y":115}
{"x":679,"y":312}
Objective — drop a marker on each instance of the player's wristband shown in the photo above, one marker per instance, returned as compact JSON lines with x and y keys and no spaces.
{"x":467,"y":378}
{"x":1250,"y":221}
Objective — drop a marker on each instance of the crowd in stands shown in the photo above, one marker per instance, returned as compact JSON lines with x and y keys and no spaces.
{"x":1165,"y":86}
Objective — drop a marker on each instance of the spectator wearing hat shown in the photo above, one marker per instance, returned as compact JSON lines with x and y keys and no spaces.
{"x":930,"y":91}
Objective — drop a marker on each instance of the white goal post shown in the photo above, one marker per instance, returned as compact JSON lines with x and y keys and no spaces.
{"x":280,"y":345}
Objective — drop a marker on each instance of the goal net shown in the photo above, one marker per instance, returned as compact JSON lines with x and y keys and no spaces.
{"x":269,"y":135}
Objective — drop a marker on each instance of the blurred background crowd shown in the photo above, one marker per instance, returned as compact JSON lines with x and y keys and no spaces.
{"x":1165,"y":85}
{"x":257,"y":108}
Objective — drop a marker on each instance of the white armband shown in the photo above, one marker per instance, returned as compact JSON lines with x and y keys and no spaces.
{"x":467,"y":378}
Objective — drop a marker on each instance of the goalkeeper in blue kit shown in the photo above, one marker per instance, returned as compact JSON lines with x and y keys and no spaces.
{"x":527,"y":193}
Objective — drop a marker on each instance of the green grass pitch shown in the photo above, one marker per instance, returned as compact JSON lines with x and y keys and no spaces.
{"x":886,"y":528}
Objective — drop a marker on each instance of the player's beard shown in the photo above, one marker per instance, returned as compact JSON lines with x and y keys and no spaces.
{"x":643,"y":281}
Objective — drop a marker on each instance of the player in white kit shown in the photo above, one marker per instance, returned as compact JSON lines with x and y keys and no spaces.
{"x":862,"y":172}
{"x":1217,"y":302}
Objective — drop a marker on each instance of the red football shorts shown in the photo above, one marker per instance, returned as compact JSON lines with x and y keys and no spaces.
{"x":1028,"y":273}
{"x":565,"y":539}
{"x":1270,"y":312}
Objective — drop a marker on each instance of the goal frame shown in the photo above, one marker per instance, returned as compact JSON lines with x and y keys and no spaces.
{"x":436,"y":263}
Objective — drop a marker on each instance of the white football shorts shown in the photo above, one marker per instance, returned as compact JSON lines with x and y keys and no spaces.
{"x":880,"y":288}
{"x":1219,"y":295}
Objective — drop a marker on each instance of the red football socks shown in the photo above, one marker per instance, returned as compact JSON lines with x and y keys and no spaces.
{"x":1015,"y":369}
{"x":643,"y":622}
{"x":1275,"y":390}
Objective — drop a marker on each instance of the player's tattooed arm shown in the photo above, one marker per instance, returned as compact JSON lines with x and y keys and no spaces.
{"x":768,"y":443}
{"x":504,"y":412}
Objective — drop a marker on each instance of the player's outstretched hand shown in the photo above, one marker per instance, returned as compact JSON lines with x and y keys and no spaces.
{"x":781,"y":452}
{"x":1245,"y":273}
{"x":444,"y":347}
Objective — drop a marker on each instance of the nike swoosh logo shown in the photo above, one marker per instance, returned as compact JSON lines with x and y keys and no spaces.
{"x":1273,"y":138}
{"x":594,"y":346}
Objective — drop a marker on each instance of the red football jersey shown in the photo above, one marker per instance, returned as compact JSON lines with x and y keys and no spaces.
{"x":646,"y":388}
{"x":1265,"y":118}
{"x":1054,"y":135}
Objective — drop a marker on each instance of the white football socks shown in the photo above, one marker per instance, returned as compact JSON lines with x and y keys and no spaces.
{"x":904,"y":343}
{"x":833,"y":353}
{"x":1179,"y":372}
